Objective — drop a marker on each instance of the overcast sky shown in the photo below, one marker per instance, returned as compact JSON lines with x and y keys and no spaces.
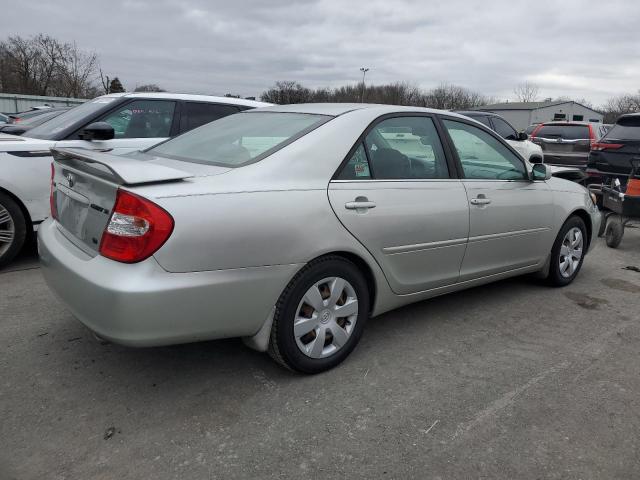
{"x":570,"y":48}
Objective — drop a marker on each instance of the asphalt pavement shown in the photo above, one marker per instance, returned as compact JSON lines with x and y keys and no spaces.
{"x":509,"y":380}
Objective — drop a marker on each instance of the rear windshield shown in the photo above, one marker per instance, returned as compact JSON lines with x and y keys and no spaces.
{"x":568,"y":132}
{"x":627,"y":128}
{"x":239,"y":139}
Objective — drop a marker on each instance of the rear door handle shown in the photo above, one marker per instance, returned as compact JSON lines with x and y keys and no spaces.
{"x":480,"y":201}
{"x":360,"y":203}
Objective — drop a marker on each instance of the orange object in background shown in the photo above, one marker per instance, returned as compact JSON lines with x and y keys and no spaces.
{"x":633,"y":187}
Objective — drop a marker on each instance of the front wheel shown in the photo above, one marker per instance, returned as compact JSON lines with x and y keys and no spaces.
{"x":13,"y":229}
{"x":320,"y":316}
{"x":568,"y":252}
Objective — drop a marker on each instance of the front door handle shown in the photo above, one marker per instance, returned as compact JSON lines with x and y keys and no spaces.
{"x":480,"y":200}
{"x":360,"y":204}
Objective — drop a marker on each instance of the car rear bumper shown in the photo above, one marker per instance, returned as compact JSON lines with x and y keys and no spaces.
{"x":143,"y":305}
{"x":566,"y":160}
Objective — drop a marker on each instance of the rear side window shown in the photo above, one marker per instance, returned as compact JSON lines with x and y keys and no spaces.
{"x":196,"y":114}
{"x":240,"y":139}
{"x":567,"y":132}
{"x":400,"y":148}
{"x":625,"y":129}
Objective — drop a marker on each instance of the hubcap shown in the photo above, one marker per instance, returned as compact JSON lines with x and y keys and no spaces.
{"x":326,"y":317}
{"x":7,"y":230}
{"x":571,"y":252}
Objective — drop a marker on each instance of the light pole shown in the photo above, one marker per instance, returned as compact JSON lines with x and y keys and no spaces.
{"x":364,"y":72}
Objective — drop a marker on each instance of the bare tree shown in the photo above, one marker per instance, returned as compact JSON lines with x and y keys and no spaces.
{"x":42,"y":65}
{"x":526,"y":92}
{"x":616,"y":106}
{"x":399,"y":93}
{"x":149,"y":87}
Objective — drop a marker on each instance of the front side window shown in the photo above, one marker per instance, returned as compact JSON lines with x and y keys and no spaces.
{"x":404,"y":148}
{"x":503,"y":129}
{"x":240,"y":139}
{"x":482,"y":156}
{"x":142,"y":119}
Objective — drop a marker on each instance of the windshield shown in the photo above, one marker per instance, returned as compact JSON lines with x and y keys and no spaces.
{"x":239,"y":139}
{"x":48,"y":130}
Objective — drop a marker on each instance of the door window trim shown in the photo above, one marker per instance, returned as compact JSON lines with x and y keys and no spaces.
{"x":454,"y":152}
{"x":454,"y":173}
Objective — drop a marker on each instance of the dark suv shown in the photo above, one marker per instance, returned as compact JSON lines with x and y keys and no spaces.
{"x":566,"y":144}
{"x":611,"y":156}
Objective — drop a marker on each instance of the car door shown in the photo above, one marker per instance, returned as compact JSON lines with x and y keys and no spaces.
{"x":137,"y":125}
{"x":510,"y":217}
{"x":397,"y":194}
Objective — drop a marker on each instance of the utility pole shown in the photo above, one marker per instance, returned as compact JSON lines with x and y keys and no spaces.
{"x":364,"y":72}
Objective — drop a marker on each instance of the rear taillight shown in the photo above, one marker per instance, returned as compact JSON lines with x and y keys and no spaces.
{"x":597,"y":146}
{"x":137,"y":228}
{"x":52,"y":199}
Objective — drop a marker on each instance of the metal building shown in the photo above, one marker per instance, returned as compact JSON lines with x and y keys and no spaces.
{"x":13,"y":103}
{"x":523,"y":114}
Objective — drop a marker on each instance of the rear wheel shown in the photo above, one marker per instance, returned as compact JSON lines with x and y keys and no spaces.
{"x":568,"y":252}
{"x":320,"y":316}
{"x":13,"y":229}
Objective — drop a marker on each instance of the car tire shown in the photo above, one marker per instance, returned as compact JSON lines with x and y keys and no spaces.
{"x":564,"y":264}
{"x":614,"y":232}
{"x":302,"y":335}
{"x":13,"y":229}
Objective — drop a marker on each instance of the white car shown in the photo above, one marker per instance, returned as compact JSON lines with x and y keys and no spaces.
{"x":117,"y":123}
{"x":518,"y":140}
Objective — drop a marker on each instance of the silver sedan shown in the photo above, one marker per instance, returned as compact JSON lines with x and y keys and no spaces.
{"x":290,"y":226}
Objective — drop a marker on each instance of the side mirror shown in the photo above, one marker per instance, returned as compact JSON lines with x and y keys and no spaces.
{"x":522,"y":136}
{"x":97,"y":131}
{"x":540,"y":171}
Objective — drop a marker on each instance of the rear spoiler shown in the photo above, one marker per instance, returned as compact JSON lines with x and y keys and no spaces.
{"x":121,"y":170}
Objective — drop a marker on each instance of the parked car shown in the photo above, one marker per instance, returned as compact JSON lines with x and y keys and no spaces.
{"x":291,"y":225}
{"x":32,"y":121}
{"x":611,"y":155}
{"x":519,"y":141}
{"x":567,"y":144}
{"x":118,"y":123}
{"x":4,"y":119}
{"x":31,"y":113}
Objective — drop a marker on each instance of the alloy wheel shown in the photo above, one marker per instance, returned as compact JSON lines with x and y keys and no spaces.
{"x":7,"y":230}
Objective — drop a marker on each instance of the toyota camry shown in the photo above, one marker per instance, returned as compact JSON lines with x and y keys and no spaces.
{"x":291,"y":225}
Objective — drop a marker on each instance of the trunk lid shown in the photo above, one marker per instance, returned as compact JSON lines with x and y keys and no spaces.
{"x":85,"y":184}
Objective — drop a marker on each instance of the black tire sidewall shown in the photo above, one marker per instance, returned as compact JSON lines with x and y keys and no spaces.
{"x":20,"y":227}
{"x":287,"y":306}
{"x":554,"y":272}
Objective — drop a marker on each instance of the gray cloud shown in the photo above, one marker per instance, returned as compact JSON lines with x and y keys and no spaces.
{"x":570,"y":48}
